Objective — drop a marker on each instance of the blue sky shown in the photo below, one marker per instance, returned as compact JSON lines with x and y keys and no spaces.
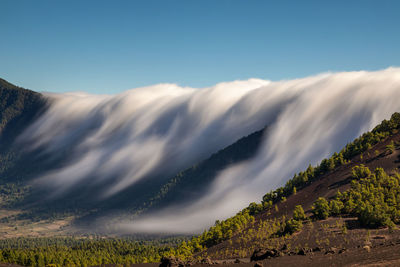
{"x":112,"y":46}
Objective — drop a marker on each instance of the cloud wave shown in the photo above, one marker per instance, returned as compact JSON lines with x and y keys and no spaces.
{"x":163,"y":128}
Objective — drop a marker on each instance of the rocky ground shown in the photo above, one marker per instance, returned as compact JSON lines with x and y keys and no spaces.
{"x":331,"y":242}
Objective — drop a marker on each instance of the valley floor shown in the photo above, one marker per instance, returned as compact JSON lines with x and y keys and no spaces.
{"x":11,"y":227}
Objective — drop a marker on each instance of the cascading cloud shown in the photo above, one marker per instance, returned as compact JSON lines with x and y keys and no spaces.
{"x":163,"y":128}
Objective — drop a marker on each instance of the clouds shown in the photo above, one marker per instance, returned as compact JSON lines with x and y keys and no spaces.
{"x":161,"y":129}
{"x":144,"y":132}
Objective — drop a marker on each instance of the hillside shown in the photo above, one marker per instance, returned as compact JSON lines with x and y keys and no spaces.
{"x":18,"y":108}
{"x":326,"y":186}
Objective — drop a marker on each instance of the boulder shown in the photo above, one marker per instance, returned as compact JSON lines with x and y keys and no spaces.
{"x":332,"y":250}
{"x":171,"y":262}
{"x":367,"y":248}
{"x":206,"y":261}
{"x":304,"y":251}
{"x":260,"y":254}
{"x":316,"y":249}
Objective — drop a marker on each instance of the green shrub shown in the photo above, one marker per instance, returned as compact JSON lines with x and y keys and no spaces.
{"x":373,"y":199}
{"x":361,"y":171}
{"x":298,"y":213}
{"x":390,"y":148}
{"x":293,"y":226}
{"x":320,"y":208}
{"x":336,"y":207}
{"x":374,"y":216}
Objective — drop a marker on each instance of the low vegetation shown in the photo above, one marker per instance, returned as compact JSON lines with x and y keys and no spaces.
{"x":83,"y":252}
{"x":374,"y":197}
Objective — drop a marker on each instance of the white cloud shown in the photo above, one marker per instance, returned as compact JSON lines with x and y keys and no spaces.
{"x":164,"y":128}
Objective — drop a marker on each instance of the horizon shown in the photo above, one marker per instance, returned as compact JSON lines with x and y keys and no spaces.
{"x":189,"y":87}
{"x":100,"y":47}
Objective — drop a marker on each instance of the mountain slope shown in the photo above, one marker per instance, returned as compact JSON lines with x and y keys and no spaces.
{"x":18,"y":107}
{"x":325,"y":186}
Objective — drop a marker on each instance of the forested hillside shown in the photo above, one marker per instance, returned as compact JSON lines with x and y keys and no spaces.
{"x":18,"y":107}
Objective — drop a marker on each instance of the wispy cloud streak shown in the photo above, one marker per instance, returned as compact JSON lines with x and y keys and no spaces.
{"x":145,"y":131}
